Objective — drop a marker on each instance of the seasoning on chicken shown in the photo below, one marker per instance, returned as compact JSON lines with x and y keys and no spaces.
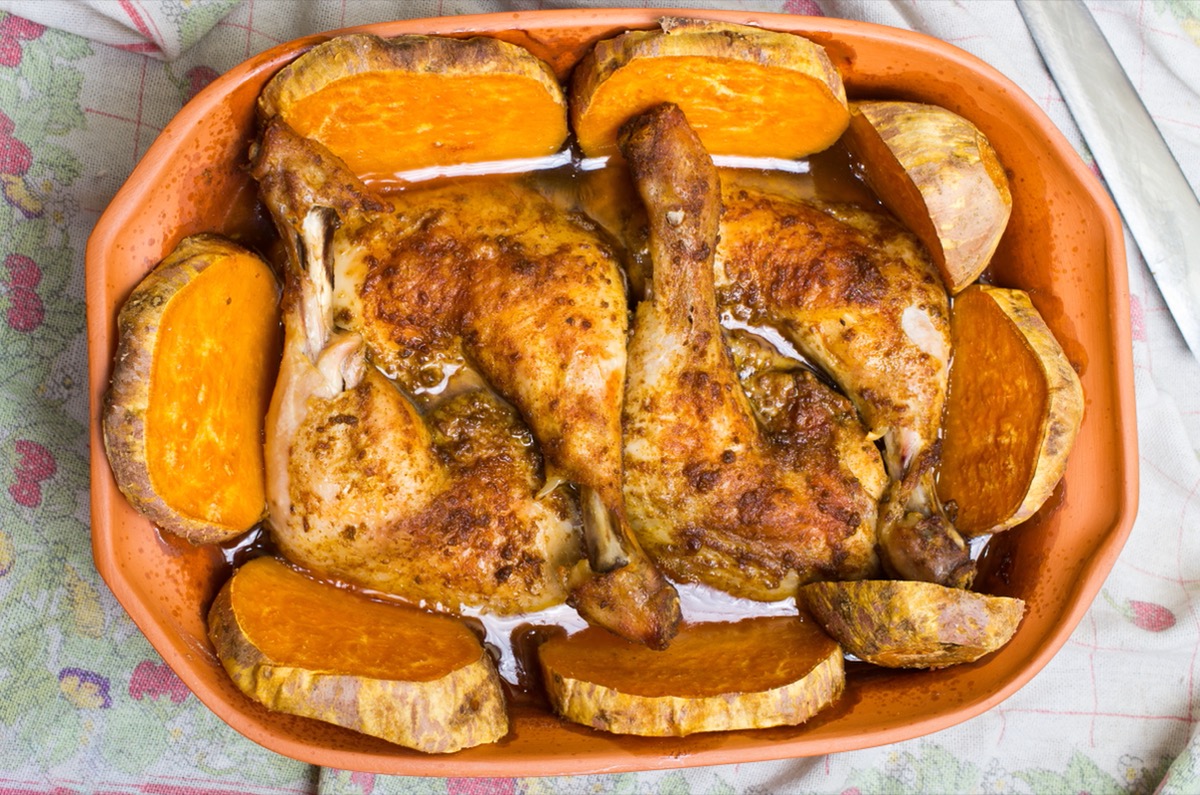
{"x":487,"y":277}
{"x":363,"y":488}
{"x":858,"y":297}
{"x":714,"y":494}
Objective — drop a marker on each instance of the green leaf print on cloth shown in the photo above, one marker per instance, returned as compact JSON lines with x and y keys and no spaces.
{"x":931,"y":769}
{"x":1185,"y":12}
{"x":1083,"y":775}
{"x":1183,"y":776}
{"x":194,"y":19}
{"x":81,"y":690}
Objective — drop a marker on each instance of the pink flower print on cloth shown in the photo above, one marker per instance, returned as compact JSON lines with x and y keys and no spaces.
{"x":1144,"y":615}
{"x":37,"y":464}
{"x":152,"y":680}
{"x":808,"y":8}
{"x":14,"y":31}
{"x":25,"y":308}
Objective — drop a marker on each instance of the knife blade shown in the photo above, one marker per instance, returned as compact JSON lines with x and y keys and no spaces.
{"x":1145,"y":181}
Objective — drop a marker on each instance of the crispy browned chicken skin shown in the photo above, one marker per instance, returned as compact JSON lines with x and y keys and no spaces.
{"x":489,"y":277}
{"x":859,"y":297}
{"x":716,"y":495}
{"x":435,"y":507}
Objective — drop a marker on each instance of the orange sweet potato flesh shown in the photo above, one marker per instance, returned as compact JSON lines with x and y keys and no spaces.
{"x":296,"y":621}
{"x":183,"y":417}
{"x":308,"y":648}
{"x":745,"y":91}
{"x":392,"y":105}
{"x":714,"y":676}
{"x":1012,"y":415}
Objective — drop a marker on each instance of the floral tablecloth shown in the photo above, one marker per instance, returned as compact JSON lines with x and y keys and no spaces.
{"x":87,"y":706}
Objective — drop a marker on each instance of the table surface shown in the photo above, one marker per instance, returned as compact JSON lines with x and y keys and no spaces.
{"x":87,"y":706}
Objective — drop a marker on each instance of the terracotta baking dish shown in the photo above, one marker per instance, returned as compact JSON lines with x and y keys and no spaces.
{"x":1063,"y":245}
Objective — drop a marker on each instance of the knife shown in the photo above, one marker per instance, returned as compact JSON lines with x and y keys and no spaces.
{"x":1154,"y":197}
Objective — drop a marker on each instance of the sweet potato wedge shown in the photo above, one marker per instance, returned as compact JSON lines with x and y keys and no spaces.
{"x":1012,"y":415}
{"x":939,"y":175}
{"x":745,"y":90}
{"x":183,"y":416}
{"x":390,"y":105}
{"x":308,"y":648}
{"x":909,"y":624}
{"x":750,"y":674}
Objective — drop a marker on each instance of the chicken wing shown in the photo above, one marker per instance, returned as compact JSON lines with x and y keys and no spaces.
{"x":717,"y":497}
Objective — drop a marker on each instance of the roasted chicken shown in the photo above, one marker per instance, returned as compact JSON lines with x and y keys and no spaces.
{"x":858,"y":296}
{"x":852,"y":292}
{"x":488,"y":277}
{"x":436,"y":508}
{"x":752,"y":504}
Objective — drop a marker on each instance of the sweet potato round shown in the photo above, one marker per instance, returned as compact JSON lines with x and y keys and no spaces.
{"x":390,"y":105}
{"x":759,"y":672}
{"x":183,"y":416}
{"x":745,"y":91}
{"x":909,"y":624}
{"x":311,"y":649}
{"x":1013,"y":412}
{"x":939,"y":175}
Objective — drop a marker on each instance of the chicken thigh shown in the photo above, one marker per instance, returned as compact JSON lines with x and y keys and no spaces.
{"x":487,"y":276}
{"x":716,"y":496}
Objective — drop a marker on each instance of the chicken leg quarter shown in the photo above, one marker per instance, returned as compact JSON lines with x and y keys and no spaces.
{"x":714,"y":495}
{"x":488,"y":277}
{"x":859,"y":297}
{"x":856,"y":294}
{"x":434,"y":508}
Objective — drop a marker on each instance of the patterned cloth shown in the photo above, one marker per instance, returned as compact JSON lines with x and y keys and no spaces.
{"x":87,"y":706}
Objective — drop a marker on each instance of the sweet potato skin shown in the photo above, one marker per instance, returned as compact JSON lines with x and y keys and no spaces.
{"x":909,"y":624}
{"x":684,"y":690}
{"x":418,"y":101}
{"x":755,"y":112}
{"x":461,"y":708}
{"x":939,"y":174}
{"x":238,"y":498}
{"x":990,"y":409}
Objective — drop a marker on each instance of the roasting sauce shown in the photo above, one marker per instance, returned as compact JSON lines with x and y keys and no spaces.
{"x":513,"y":640}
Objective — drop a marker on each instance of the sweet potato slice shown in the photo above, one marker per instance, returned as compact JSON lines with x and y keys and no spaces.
{"x":183,"y":416}
{"x":1012,"y":415}
{"x":939,"y":175}
{"x":745,"y":91}
{"x":909,"y":624}
{"x":308,"y":648}
{"x":750,"y":674}
{"x":390,"y":105}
